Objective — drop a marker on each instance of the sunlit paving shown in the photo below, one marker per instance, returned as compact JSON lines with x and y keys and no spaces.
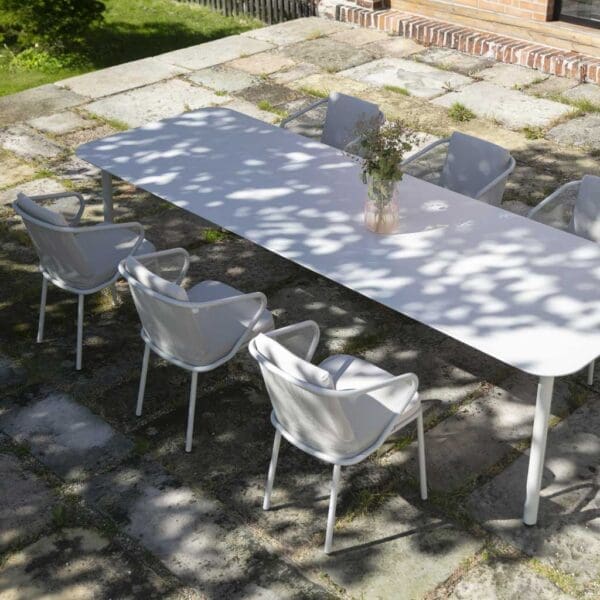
{"x":300,"y":312}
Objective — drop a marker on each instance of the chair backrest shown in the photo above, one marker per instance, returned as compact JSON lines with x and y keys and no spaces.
{"x":56,"y":244}
{"x":191,"y":333}
{"x":473,"y":163}
{"x":330,"y":423}
{"x":586,"y":213}
{"x":345,"y":118}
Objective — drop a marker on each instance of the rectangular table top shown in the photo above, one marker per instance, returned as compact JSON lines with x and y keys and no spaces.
{"x":515,"y":289}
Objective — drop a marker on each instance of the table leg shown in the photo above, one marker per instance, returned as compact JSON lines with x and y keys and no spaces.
{"x":538,"y":449}
{"x":107,"y":196}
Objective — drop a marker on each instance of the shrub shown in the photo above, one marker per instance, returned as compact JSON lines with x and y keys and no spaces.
{"x":55,"y":25}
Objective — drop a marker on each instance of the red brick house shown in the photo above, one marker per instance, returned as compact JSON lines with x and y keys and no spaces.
{"x":556,"y":36}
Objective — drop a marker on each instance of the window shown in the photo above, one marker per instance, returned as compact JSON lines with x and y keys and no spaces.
{"x":584,"y":12}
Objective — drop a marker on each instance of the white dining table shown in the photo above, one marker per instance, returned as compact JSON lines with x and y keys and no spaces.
{"x":512,"y":288}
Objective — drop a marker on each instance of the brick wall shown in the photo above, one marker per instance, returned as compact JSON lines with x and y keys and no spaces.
{"x":532,"y":10}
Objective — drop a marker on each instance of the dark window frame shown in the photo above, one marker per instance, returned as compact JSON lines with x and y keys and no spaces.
{"x":575,"y":20}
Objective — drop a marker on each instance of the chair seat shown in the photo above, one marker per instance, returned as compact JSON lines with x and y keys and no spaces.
{"x":351,"y":373}
{"x":106,"y":250}
{"x":208,"y":290}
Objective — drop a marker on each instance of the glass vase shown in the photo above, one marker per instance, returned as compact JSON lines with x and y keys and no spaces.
{"x":382,"y":208}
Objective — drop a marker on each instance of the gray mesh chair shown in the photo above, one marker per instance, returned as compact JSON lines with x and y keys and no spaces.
{"x":197,"y":329}
{"x":573,"y":207}
{"x":340,"y":411}
{"x":78,"y":259}
{"x":344,"y":119}
{"x":472,"y":167}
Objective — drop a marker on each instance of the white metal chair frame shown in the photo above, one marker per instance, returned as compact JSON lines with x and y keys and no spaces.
{"x":323,"y":101}
{"x":81,"y":292}
{"x":484,"y":190}
{"x":194,"y":307}
{"x":557,"y":197}
{"x":310,"y":327}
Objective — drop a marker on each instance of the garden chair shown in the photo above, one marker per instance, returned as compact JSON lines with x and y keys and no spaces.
{"x":78,"y":259}
{"x":197,"y":329}
{"x":471,"y":166}
{"x":345,"y":118}
{"x":573,"y":207}
{"x":340,"y":411}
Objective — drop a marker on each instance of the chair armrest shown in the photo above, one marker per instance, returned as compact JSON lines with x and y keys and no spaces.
{"x":299,"y":113}
{"x":301,"y":339}
{"x":424,"y":151}
{"x":157,"y":259}
{"x":72,"y":220}
{"x":554,"y":197}
{"x":494,"y":182}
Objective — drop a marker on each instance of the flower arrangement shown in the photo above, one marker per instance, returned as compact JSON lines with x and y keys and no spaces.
{"x":383,"y":149}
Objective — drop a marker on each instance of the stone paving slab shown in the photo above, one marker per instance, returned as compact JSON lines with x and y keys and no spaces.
{"x":551,"y":87}
{"x":567,"y":536}
{"x":329,"y":54}
{"x":264,"y":63}
{"x":360,"y":36}
{"x":27,"y":502}
{"x":77,"y":564}
{"x":419,"y":79}
{"x":45,"y":185}
{"x":224,"y":79}
{"x":395,"y":47}
{"x":155,"y":102}
{"x":324,"y":83}
{"x":60,"y":123}
{"x":453,"y":60}
{"x":398,"y":553}
{"x":189,"y":532}
{"x":250,"y":109}
{"x":512,"y":108}
{"x":297,"y":30}
{"x":586,"y":91}
{"x":485,"y":431}
{"x":512,"y":76}
{"x":65,"y":436}
{"x":299,"y":71}
{"x":213,"y":53}
{"x":119,"y":78}
{"x":14,"y":170}
{"x":583,"y":132}
{"x":27,"y":143}
{"x":505,"y":580}
{"x":35,"y":102}
{"x":271,"y":93}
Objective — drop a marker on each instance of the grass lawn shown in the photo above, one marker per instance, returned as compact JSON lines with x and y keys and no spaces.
{"x":135,"y":29}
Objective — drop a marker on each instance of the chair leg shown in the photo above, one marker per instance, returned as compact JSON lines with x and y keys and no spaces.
{"x":114,"y":294}
{"x":79,"y":331}
{"x":335,"y":482}
{"x":422,"y":465}
{"x":590,"y":373}
{"x":191,"y":411}
{"x":142,"y":388}
{"x":272,"y":469}
{"x":40,"y":335}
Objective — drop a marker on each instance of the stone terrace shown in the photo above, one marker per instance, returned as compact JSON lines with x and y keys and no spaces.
{"x":99,"y":504}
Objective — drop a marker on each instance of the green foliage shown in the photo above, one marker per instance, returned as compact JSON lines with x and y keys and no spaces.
{"x":397,"y":90}
{"x":460,"y":113}
{"x":383,"y":150}
{"x":533,"y":133}
{"x":130,"y":30}
{"x":51,"y":24}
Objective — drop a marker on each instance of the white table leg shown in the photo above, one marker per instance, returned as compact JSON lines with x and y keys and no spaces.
{"x":107,"y":196}
{"x":538,"y":449}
